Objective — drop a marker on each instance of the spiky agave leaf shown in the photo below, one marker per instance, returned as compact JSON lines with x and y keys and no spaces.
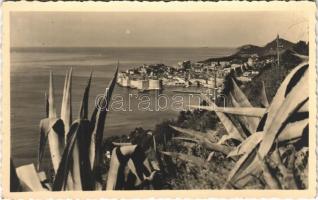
{"x":247,"y":144}
{"x":276,"y":129}
{"x":203,"y":140}
{"x":304,"y":109}
{"x":81,"y":166}
{"x":55,"y":135}
{"x":28,"y":177}
{"x":276,"y":120}
{"x":84,"y":105}
{"x":83,"y":143}
{"x":130,"y":160}
{"x":293,"y":131}
{"x":73,"y":181}
{"x":60,"y":181}
{"x":65,"y":84}
{"x":66,"y":107}
{"x":292,"y":103}
{"x":118,"y":162}
{"x":44,"y":131}
{"x":186,"y":139}
{"x":54,"y":126}
{"x":230,"y":127}
{"x":250,"y":164}
{"x":113,"y":172}
{"x":297,"y":125}
{"x":139,"y":165}
{"x":239,"y":167}
{"x":263,"y":97}
{"x":98,"y":122}
{"x":239,"y":95}
{"x":151,"y":167}
{"x":279,"y":97}
{"x":142,"y":162}
{"x":297,"y":120}
{"x":245,"y":111}
{"x":247,"y":127}
{"x":226,"y":121}
{"x":75,"y":177}
{"x":132,"y":167}
{"x":44,"y":181}
{"x":52,"y":109}
{"x":242,"y":100}
{"x":75,"y":160}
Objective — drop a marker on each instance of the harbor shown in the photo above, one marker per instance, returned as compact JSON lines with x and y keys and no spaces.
{"x":175,"y":100}
{"x":201,"y":74}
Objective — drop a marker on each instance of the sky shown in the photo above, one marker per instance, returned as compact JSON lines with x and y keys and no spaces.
{"x":154,"y":29}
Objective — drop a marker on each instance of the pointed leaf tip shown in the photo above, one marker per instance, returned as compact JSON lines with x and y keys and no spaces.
{"x":97,"y":123}
{"x":84,"y":104}
{"x":263,"y":97}
{"x":52,"y":111}
{"x":66,"y":108}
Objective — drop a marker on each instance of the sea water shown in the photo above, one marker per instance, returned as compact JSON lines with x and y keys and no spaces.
{"x":30,"y":69}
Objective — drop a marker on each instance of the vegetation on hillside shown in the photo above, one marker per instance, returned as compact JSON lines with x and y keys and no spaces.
{"x":192,"y":163}
{"x":259,"y":140}
{"x":268,"y":50}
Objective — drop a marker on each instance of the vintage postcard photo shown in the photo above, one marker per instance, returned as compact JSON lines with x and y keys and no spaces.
{"x":174,"y":99}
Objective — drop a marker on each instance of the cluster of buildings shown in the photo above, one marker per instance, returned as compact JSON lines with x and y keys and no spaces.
{"x":125,"y":80}
{"x":185,"y":74}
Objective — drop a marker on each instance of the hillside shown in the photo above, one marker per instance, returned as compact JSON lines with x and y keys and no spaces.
{"x":301,"y":47}
{"x":245,"y":51}
{"x":270,"y":48}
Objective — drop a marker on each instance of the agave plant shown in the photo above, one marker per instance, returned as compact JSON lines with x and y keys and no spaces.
{"x":75,"y":146}
{"x":130,"y":168}
{"x":269,"y":132}
{"x":284,"y":122}
{"x":271,"y":140}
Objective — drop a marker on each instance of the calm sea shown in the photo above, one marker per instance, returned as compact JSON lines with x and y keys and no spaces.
{"x":29,"y":81}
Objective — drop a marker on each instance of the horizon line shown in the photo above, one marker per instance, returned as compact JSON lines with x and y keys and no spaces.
{"x":98,"y":46}
{"x":123,"y":47}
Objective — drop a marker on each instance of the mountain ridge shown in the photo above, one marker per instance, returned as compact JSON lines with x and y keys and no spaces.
{"x":269,"y":49}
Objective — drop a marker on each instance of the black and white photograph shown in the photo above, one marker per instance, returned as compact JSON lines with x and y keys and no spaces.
{"x":161,"y":100}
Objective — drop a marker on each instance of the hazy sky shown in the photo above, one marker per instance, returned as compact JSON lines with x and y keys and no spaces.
{"x":191,"y":29}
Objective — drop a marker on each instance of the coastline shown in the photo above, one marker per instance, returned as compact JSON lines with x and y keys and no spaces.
{"x":31,"y":87}
{"x":252,"y":133}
